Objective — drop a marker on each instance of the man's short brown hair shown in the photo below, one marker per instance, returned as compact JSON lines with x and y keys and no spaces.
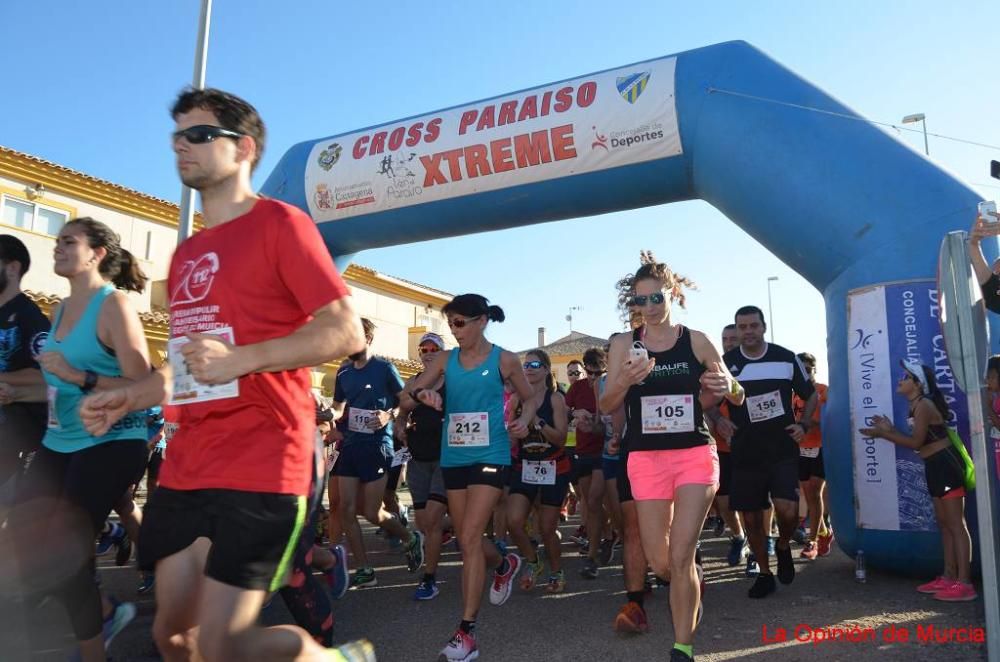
{"x":232,"y":112}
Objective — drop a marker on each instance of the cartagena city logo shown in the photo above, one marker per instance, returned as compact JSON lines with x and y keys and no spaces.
{"x":329,"y":156}
{"x":628,"y":138}
{"x":632,"y":86}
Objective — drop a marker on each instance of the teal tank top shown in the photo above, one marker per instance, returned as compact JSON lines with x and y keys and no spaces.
{"x":474,"y":430}
{"x":84,"y":351}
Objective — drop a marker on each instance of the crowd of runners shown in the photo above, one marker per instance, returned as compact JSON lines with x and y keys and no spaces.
{"x":658,"y":436}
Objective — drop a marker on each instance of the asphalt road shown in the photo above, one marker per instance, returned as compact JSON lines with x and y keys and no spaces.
{"x":576,"y":625}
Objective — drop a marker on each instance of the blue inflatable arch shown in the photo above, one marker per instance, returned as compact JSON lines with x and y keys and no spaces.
{"x":836,"y":199}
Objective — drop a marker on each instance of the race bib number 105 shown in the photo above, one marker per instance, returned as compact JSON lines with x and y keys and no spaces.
{"x":667,"y":413}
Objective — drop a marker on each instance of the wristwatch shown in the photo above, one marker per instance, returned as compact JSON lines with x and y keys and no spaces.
{"x":89,"y":381}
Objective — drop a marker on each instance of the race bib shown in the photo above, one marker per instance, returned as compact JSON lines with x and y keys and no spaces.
{"x":765,"y":407}
{"x":667,"y":413}
{"x":52,"y":393}
{"x":331,"y":458}
{"x":187,"y":389}
{"x":469,"y":429}
{"x":401,"y":457}
{"x":542,"y":472}
{"x":809,"y":452}
{"x":357,"y":420}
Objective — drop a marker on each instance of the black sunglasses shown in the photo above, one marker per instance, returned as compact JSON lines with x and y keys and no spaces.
{"x":458,"y":323}
{"x":204,"y":133}
{"x":429,"y":350}
{"x":533,"y":364}
{"x":573,"y":373}
{"x":656,"y":298}
{"x":594,"y":372}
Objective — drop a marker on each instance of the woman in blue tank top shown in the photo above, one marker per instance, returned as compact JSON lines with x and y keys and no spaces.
{"x":665,"y":375}
{"x":475,"y":450}
{"x":75,"y":479}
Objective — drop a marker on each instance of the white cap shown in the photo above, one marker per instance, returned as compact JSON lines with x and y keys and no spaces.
{"x":433,"y":338}
{"x":916,"y":368}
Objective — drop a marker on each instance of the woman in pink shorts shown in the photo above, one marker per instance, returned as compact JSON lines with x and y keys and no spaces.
{"x":666,"y":375}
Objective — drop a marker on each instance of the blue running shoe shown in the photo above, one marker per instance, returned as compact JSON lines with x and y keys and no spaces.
{"x":337,"y":577}
{"x":737,"y":551}
{"x":426,"y":590}
{"x":121,"y":615}
{"x":109,"y":539}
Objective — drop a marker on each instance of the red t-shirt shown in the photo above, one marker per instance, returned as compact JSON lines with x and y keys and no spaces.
{"x":581,"y":396}
{"x":263,"y":275}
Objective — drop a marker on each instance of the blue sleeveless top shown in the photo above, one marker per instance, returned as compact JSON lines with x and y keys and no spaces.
{"x":84,"y":351}
{"x":474,"y":430}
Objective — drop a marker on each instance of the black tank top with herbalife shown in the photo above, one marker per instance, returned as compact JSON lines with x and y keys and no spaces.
{"x":663,"y":412}
{"x":423,"y":435}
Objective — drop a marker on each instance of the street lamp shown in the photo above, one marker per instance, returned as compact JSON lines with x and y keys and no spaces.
{"x":919,"y":117}
{"x":770,"y":313}
{"x":185,"y":224}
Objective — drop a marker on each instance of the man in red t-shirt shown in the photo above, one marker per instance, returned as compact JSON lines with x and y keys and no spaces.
{"x":254,"y":300}
{"x":581,"y":399}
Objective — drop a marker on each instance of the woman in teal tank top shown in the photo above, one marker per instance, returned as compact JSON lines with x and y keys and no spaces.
{"x":475,"y":450}
{"x":75,"y":479}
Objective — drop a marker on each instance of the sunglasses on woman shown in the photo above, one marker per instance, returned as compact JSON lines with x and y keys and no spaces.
{"x":640,"y":300}
{"x":429,"y":350}
{"x":458,"y":323}
{"x":204,"y":133}
{"x":533,"y":364}
{"x":573,"y":373}
{"x":594,"y":373}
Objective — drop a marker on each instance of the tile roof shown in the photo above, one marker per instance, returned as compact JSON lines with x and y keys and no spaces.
{"x":575,"y":344}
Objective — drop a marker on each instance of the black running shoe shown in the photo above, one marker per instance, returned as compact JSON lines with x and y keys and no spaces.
{"x":589,"y":570}
{"x":763,"y":587}
{"x":124,"y":551}
{"x":786,"y":566}
{"x":679,"y":656}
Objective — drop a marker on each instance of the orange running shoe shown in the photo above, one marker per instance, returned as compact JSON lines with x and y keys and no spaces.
{"x":631,"y":618}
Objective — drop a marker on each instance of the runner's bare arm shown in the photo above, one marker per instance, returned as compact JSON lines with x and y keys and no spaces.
{"x":10,"y":393}
{"x":809,"y":410}
{"x":716,"y":382}
{"x":622,"y":374}
{"x":333,"y":332}
{"x":23,"y":377}
{"x":555,"y":434}
{"x":421,"y":386}
{"x":100,"y":411}
{"x":120,"y":329}
{"x":510,"y":368}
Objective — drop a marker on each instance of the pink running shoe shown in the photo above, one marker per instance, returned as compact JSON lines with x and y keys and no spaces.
{"x":934,"y":585}
{"x":461,"y":648}
{"x":502,"y":584}
{"x":957,"y":592}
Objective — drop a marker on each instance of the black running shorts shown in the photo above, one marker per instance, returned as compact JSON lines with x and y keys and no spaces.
{"x":253,"y":534}
{"x":753,"y":486}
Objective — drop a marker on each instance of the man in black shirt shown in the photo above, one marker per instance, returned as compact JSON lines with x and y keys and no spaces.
{"x":764,"y":448}
{"x":23,"y":330}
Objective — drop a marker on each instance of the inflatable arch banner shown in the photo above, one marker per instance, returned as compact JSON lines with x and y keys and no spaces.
{"x":855,"y":212}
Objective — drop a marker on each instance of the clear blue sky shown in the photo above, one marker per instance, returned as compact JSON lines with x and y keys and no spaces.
{"x":89,"y":85}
